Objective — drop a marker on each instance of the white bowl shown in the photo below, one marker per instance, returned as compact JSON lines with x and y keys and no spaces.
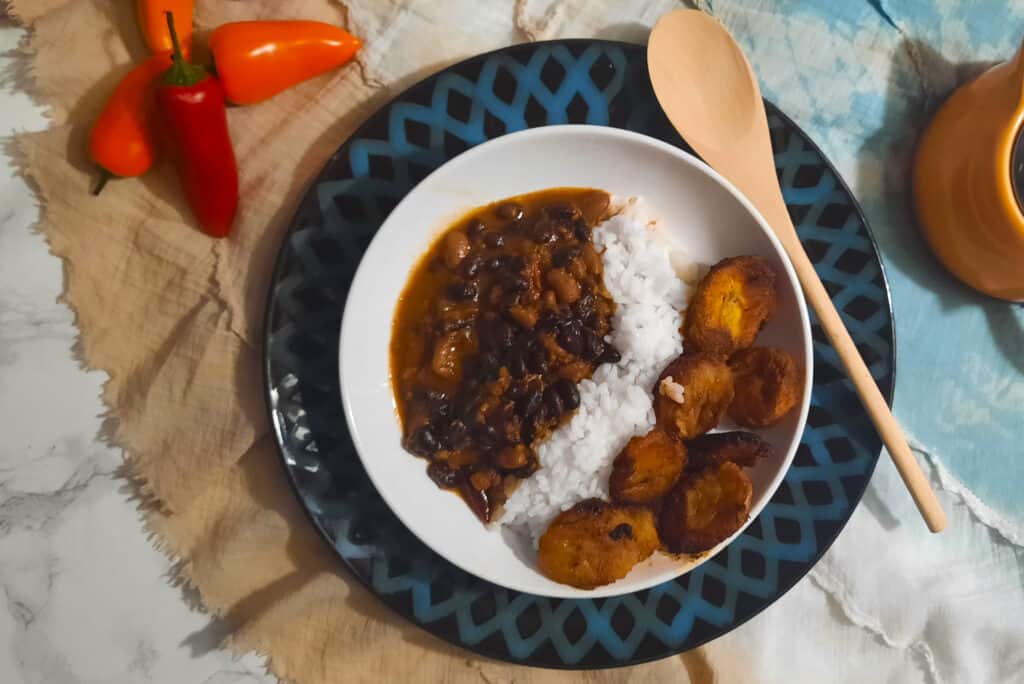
{"x":701,"y":212}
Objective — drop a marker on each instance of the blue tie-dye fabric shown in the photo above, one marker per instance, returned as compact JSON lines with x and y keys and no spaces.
{"x":863,"y":77}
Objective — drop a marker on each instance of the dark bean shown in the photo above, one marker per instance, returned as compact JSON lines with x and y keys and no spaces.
{"x":494,"y":239}
{"x":593,"y":345}
{"x":465,"y":407}
{"x":488,"y":436}
{"x":516,"y":391}
{"x":442,"y":438}
{"x":592,"y":321}
{"x":514,"y":431}
{"x":510,"y":211}
{"x":508,"y":423}
{"x":435,"y":395}
{"x":503,"y":335}
{"x":516,"y":263}
{"x":538,"y":360}
{"x":538,"y":421}
{"x":565,"y":255}
{"x":583,"y":307}
{"x":442,"y":410}
{"x":463,"y":290}
{"x":517,"y":283}
{"x":496,"y":334}
{"x":517,"y":364}
{"x":444,"y":476}
{"x":534,"y":409}
{"x":494,"y":263}
{"x":488,"y":358}
{"x":623,"y":531}
{"x":522,"y":340}
{"x":547,"y":321}
{"x":609,"y":355}
{"x":490,"y":373}
{"x":475,"y":227}
{"x":570,"y":338}
{"x":527,"y":432}
{"x":456,"y":434}
{"x":531,"y":404}
{"x":562,"y":212}
{"x":487,"y":365}
{"x":508,"y":301}
{"x":570,"y":394}
{"x":581,"y":230}
{"x":425,"y":442}
{"x":554,"y":403}
{"x":544,"y":234}
{"x":472,"y":266}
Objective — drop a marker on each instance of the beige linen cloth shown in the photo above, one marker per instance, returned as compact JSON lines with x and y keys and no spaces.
{"x":175,"y":319}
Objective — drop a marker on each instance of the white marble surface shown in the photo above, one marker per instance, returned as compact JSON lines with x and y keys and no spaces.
{"x":85,"y":596}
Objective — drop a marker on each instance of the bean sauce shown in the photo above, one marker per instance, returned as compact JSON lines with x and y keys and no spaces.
{"x":497,"y":324}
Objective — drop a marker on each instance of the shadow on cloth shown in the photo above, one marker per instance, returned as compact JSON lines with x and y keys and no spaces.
{"x":263,"y":475}
{"x":312,"y":558}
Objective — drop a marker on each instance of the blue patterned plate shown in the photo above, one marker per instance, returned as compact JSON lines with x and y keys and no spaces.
{"x":571,"y":81}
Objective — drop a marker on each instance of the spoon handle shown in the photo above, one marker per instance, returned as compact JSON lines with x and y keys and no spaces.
{"x":870,"y":395}
{"x":709,"y":92}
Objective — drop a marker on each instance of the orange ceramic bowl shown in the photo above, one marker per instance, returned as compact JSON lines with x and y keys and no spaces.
{"x":963,"y":182}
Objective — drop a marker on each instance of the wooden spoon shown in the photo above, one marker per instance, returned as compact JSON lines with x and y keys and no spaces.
{"x":710,"y":94}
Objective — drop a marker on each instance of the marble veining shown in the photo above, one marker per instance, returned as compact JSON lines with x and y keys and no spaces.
{"x":84,"y":597}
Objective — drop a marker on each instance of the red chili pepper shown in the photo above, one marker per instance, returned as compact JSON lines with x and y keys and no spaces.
{"x":192,"y":104}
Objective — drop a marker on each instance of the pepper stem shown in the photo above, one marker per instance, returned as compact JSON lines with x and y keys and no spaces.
{"x":179,"y":56}
{"x":181,"y":72}
{"x":101,"y":182}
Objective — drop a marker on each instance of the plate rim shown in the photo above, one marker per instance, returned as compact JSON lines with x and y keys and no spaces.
{"x":650,"y":145}
{"x":268,"y":390}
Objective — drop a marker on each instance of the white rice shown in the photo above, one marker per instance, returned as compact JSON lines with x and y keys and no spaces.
{"x":616,"y":404}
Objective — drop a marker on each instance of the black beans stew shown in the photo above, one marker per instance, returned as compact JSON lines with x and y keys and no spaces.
{"x":499,"y":321}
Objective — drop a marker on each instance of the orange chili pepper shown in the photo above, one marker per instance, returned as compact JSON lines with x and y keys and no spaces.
{"x":153,"y":22}
{"x":123,"y":140}
{"x":258,"y":59}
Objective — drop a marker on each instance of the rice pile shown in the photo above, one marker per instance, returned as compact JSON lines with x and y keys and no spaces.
{"x":615,"y":404}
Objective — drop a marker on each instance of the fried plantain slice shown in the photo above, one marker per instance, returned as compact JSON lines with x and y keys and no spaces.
{"x":768,"y":384}
{"x":744,"y":449}
{"x":704,"y":385}
{"x":596,"y":542}
{"x":705,"y":508}
{"x":647,"y":468}
{"x":731,"y":304}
